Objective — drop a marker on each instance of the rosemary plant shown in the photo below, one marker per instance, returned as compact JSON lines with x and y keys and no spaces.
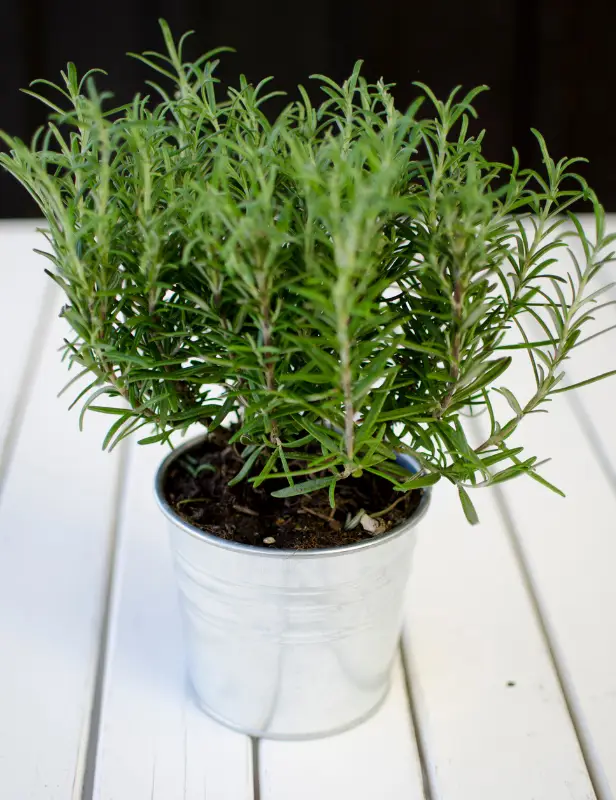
{"x":338,"y":282}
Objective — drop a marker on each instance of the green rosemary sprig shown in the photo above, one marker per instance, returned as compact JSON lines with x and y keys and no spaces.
{"x":338,"y":281}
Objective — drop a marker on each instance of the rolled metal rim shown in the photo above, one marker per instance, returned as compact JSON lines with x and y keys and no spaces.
{"x":266,"y":552}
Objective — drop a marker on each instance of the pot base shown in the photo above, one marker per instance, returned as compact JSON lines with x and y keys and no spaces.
{"x":290,"y":737}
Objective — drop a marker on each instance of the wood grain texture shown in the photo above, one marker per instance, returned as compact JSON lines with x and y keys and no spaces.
{"x":56,"y":512}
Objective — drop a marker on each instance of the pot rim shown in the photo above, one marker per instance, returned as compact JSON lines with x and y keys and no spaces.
{"x":266,"y":552}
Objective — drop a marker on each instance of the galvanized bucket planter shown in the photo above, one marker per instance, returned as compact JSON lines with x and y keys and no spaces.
{"x":290,"y":644}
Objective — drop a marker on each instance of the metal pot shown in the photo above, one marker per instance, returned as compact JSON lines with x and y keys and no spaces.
{"x":290,"y":644}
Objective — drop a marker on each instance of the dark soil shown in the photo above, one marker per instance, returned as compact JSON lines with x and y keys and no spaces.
{"x":196,"y":488}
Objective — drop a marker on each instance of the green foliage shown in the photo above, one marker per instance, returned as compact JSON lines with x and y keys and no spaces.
{"x":344,"y":276}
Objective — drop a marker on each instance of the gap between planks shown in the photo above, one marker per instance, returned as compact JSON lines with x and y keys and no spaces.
{"x":255,"y":746}
{"x":420,"y":743}
{"x":88,"y":767}
{"x":26,"y":381}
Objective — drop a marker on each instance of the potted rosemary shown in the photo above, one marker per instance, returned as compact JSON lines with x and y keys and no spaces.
{"x":327,"y":294}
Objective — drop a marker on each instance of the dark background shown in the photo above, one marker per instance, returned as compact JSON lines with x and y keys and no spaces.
{"x":550,"y":63}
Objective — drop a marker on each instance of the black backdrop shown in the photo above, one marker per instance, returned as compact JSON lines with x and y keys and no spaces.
{"x":550,"y":63}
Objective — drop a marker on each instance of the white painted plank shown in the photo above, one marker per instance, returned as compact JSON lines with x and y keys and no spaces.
{"x":23,"y":288}
{"x":569,"y":545}
{"x":471,"y":631}
{"x":56,"y":511}
{"x":378,"y":759}
{"x":154,"y":743}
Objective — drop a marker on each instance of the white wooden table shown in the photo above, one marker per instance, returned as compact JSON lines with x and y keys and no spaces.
{"x":506,"y":685}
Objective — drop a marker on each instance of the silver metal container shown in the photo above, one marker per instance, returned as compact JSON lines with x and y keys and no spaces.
{"x":290,"y":644}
